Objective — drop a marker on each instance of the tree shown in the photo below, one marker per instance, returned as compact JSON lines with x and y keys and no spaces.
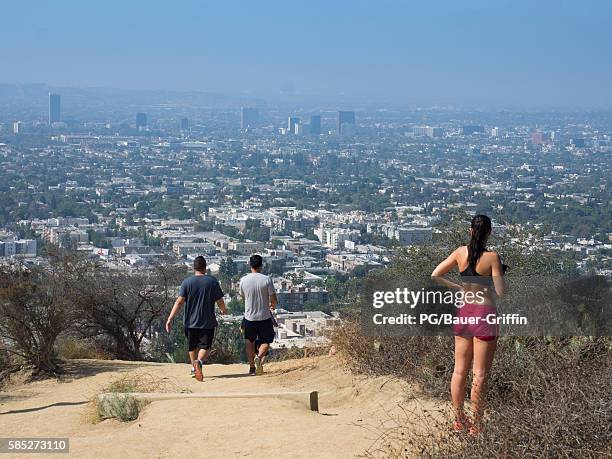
{"x":126,"y":306}
{"x":229,"y":344}
{"x":235,"y":306}
{"x":36,"y":305}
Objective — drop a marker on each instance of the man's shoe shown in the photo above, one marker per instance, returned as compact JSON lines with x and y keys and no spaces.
{"x":251,"y":371}
{"x":199,"y":376}
{"x":192,"y":371}
{"x":258,"y":366}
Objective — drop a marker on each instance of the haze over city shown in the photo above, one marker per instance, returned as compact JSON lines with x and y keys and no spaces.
{"x":521,"y":54}
{"x":306,"y":229}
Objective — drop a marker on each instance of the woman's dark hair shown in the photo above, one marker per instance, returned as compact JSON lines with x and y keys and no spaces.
{"x":481,"y":228}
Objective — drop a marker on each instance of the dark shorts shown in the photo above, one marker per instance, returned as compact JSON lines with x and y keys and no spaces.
{"x":259,"y":330}
{"x":201,"y":338}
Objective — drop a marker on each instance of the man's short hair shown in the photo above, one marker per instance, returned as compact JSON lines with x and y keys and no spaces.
{"x":255,"y":261}
{"x":199,"y":264}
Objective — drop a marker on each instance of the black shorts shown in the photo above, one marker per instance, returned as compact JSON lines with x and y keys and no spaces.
{"x":259,"y":330}
{"x":200,"y":338}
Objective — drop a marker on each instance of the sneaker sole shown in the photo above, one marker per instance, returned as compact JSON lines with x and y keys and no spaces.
{"x":199,"y":376}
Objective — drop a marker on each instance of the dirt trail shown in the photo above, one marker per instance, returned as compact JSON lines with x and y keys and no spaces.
{"x":352,"y":408}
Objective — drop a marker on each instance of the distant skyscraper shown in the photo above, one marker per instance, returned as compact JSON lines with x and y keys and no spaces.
{"x":537,"y":137}
{"x":184,"y":124}
{"x":345,"y":118}
{"x":141,"y":120}
{"x":249,"y":118}
{"x":315,"y":125}
{"x":292,"y":123}
{"x":17,"y":127}
{"x":54,"y":108}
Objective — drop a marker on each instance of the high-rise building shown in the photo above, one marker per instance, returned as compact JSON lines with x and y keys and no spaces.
{"x":344,"y":119}
{"x":315,"y":125}
{"x":292,"y":123}
{"x":184,"y":124}
{"x":537,"y":137}
{"x":17,"y":127}
{"x":436,"y":132}
{"x":249,"y":118}
{"x":54,"y":108}
{"x":495,"y":132}
{"x":427,"y":131}
{"x":141,"y":120}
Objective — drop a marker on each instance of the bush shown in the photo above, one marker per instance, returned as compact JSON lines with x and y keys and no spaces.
{"x":79,"y":348}
{"x":294,"y":352}
{"x":547,"y":397}
{"x":35,"y":307}
{"x":227,"y":347}
{"x":124,"y":307}
{"x":119,"y":404}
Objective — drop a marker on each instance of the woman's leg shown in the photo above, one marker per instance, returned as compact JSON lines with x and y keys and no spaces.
{"x":484,"y":351}
{"x":463,"y":362}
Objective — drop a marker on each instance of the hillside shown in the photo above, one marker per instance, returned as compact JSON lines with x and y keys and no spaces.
{"x":352,"y":410}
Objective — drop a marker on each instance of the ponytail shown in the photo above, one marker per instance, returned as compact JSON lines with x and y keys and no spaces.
{"x":481,"y":228}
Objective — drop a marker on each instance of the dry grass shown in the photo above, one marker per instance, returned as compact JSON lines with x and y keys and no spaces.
{"x":548,"y":397}
{"x":74,"y":348}
{"x":119,"y":404}
{"x":294,"y":352}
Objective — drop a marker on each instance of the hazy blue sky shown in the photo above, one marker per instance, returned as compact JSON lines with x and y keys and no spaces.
{"x":539,"y":52}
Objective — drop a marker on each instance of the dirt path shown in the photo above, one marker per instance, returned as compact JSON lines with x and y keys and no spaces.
{"x":351,"y":409}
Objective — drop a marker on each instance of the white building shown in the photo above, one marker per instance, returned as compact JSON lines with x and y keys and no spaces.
{"x":335,"y":238}
{"x":18,"y":247}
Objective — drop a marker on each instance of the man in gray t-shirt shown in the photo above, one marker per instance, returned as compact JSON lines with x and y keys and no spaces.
{"x":259,"y":296}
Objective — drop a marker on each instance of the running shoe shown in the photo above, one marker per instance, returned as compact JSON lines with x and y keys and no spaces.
{"x":252,"y":371}
{"x":258,"y":366}
{"x":198,"y":370}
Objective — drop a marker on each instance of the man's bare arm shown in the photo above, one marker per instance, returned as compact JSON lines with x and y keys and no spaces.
{"x":273,"y":301}
{"x":222,"y":307}
{"x":175,"y":310}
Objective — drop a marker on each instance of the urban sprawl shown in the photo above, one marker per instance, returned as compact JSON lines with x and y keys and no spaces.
{"x":318,"y":192}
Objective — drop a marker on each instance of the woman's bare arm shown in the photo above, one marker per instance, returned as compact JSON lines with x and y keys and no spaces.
{"x":447,"y":265}
{"x":497,"y":272}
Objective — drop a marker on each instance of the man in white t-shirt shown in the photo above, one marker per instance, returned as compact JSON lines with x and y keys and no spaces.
{"x":259,"y":296}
